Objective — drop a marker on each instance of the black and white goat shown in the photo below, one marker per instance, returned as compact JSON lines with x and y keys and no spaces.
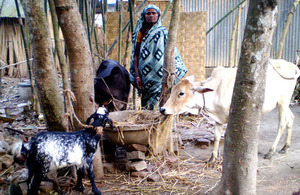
{"x":52,"y":150}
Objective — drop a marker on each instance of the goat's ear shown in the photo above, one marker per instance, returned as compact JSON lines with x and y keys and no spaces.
{"x":201,"y":89}
{"x":88,"y":120}
{"x":110,"y":123}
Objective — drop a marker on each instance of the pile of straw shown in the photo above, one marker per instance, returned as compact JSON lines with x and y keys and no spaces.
{"x":187,"y":176}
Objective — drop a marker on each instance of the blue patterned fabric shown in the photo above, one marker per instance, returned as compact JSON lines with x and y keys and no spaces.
{"x":151,"y":60}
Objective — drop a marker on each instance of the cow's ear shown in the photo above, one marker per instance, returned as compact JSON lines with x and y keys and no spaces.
{"x":201,"y":89}
{"x":190,"y":78}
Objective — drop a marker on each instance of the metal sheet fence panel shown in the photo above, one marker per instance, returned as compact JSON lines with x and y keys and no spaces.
{"x":218,"y":40}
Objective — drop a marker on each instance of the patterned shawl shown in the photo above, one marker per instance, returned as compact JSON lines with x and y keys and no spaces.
{"x":151,"y":60}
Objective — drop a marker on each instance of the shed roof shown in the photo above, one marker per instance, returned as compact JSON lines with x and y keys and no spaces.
{"x":8,"y":9}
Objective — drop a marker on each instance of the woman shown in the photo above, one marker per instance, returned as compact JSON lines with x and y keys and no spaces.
{"x":147,"y":56}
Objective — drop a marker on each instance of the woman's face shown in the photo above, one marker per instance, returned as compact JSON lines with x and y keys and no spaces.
{"x":151,"y":16}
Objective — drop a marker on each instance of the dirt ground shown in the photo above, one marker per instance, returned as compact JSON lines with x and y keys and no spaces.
{"x":279,"y":175}
{"x":188,"y":173}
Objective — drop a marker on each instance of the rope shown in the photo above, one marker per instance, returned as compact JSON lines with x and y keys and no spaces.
{"x":71,"y":98}
{"x":112,"y":97}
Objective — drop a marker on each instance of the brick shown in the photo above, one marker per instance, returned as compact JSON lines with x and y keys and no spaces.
{"x":202,"y":141}
{"x":135,"y":155}
{"x":137,"y":147}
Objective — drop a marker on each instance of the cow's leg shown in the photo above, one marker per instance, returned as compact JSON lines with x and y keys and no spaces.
{"x":286,"y":119}
{"x":218,"y":131}
{"x":289,"y":124}
{"x":91,"y":176}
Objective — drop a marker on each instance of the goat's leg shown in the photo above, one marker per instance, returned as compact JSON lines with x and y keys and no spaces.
{"x":36,"y":182}
{"x":218,"y":131}
{"x":80,"y":175}
{"x":30,"y":175}
{"x":91,"y":176}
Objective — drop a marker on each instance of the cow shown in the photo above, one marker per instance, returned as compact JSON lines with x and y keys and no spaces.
{"x":281,"y":79}
{"x":112,"y":85}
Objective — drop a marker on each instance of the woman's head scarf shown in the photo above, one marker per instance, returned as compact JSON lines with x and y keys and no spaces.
{"x":141,"y":19}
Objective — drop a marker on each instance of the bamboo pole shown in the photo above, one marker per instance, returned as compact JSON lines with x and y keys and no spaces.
{"x":286,"y":28}
{"x":127,"y":46}
{"x":36,"y":104}
{"x":63,"y":65}
{"x":238,"y":34}
{"x":88,"y":24}
{"x":120,"y":30}
{"x":214,"y":26}
{"x":166,"y":10}
{"x":93,"y":26}
{"x":103,"y":11}
{"x":234,"y":43}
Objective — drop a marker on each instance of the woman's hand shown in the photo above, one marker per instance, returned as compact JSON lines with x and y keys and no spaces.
{"x":138,"y":82}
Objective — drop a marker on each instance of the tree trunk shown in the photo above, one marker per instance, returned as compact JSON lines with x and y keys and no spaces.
{"x":81,"y":64}
{"x":45,"y":71}
{"x":169,"y":56}
{"x":241,"y":138}
{"x":286,"y":28}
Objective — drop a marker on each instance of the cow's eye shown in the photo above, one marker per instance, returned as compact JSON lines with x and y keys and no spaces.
{"x":180,"y":94}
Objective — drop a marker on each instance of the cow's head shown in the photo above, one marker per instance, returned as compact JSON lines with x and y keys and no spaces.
{"x":184,"y":97}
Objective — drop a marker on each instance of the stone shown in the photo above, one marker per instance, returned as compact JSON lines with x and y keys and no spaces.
{"x":140,"y":174}
{"x":109,"y":167}
{"x":4,"y":147}
{"x":136,"y":165}
{"x":6,"y":160}
{"x":23,"y":187}
{"x":137,"y":147}
{"x":46,"y":187}
{"x":135,"y":155}
{"x":154,"y":177}
{"x":171,"y":159}
{"x":150,"y":168}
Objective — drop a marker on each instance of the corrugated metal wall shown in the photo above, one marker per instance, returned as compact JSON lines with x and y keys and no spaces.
{"x":218,"y":40}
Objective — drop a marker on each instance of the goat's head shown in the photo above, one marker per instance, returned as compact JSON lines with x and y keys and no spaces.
{"x":100,"y":117}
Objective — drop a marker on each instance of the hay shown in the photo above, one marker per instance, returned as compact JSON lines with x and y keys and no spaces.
{"x":187,"y":176}
{"x":140,"y":117}
{"x":161,"y":138}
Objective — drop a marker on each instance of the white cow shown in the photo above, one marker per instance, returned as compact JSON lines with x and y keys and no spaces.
{"x":280,"y":83}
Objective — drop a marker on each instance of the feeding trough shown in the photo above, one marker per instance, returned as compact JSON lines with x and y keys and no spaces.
{"x":132,"y":127}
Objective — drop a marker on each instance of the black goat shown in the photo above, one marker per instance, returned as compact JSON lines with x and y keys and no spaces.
{"x":53,"y":150}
